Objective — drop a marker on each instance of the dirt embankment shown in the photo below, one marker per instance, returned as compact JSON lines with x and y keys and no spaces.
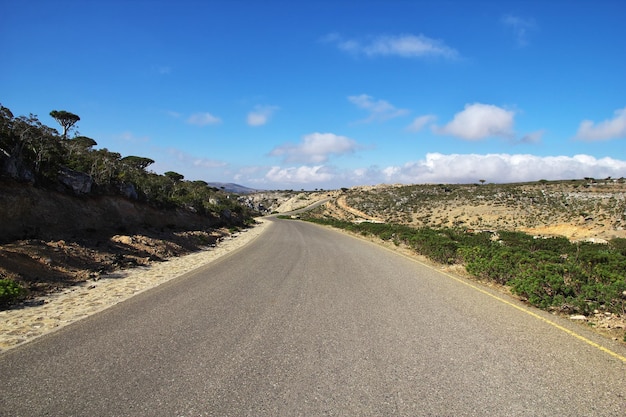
{"x":30,"y":212}
{"x":50,"y":240}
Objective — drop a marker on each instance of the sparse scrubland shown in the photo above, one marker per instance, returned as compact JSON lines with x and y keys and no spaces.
{"x":577,"y":209}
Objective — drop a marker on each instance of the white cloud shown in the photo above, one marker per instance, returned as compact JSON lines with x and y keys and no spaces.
{"x":185,"y":159}
{"x":316,"y":148}
{"x":614,"y":128}
{"x":501,"y":168}
{"x":131,"y":138}
{"x":380,"y":110}
{"x":479,"y":121}
{"x":260,"y":115}
{"x":405,"y":46}
{"x":203,"y":119}
{"x":299,"y":175}
{"x":208,"y":163}
{"x":521,"y":27}
{"x":420,"y":122}
{"x":435,"y":168}
{"x":191,"y":166}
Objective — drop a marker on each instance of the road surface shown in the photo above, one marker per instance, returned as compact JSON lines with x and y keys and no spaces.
{"x":308,"y":321}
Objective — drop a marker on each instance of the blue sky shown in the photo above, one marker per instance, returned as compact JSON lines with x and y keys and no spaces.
{"x":329,"y":94}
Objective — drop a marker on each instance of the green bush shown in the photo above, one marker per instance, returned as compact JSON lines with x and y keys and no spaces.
{"x":547,"y":272}
{"x":10,"y":291}
{"x":543,"y":285}
{"x":439,"y":246}
{"x":619,"y":244}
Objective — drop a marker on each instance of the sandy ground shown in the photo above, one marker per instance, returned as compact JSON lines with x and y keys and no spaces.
{"x":52,"y":312}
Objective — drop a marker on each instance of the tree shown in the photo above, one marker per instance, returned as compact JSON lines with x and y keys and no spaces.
{"x":66,"y":119}
{"x":37,"y":146}
{"x":6,"y":131}
{"x":79,"y":153}
{"x":80,"y":144}
{"x":137,"y":162}
{"x":104,"y":166}
{"x":174,"y":176}
{"x":175,"y":179}
{"x":83,"y":142}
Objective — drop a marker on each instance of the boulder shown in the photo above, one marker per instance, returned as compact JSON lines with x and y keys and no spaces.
{"x":78,"y":182}
{"x":129,"y":191}
{"x":16,"y":170}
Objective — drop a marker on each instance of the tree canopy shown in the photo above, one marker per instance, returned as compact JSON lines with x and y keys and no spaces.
{"x":174,"y":176}
{"x":137,"y":162}
{"x":33,"y":152}
{"x":66,"y":119}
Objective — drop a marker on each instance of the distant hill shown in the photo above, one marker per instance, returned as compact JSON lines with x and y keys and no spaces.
{"x":584,"y":209}
{"x":233,"y":188}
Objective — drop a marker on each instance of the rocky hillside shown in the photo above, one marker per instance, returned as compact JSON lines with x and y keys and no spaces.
{"x":584,"y":209}
{"x":51,"y":240}
{"x":268,"y":202}
{"x":578,"y":209}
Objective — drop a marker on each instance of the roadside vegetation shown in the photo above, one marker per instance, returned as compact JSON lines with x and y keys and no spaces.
{"x":33,"y":153}
{"x":550,"y":273}
{"x":10,"y":291}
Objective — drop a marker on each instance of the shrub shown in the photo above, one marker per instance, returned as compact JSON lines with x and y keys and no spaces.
{"x":547,"y":272}
{"x":619,"y":244}
{"x":10,"y":291}
{"x":439,"y":246}
{"x":543,"y":286}
{"x":495,"y":262}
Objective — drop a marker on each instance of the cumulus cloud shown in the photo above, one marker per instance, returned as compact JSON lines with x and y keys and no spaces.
{"x":420,"y":122}
{"x":191,"y":166}
{"x":316,"y":148}
{"x":299,"y":175}
{"x":203,"y":119}
{"x":479,"y":121}
{"x":614,"y":128}
{"x":437,"y":168}
{"x":502,"y":168}
{"x":260,"y":115}
{"x":405,"y":46}
{"x":379,"y":110}
{"x":185,"y":159}
{"x":521,"y":27}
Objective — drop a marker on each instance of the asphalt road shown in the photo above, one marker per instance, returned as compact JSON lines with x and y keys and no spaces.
{"x":308,"y":321}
